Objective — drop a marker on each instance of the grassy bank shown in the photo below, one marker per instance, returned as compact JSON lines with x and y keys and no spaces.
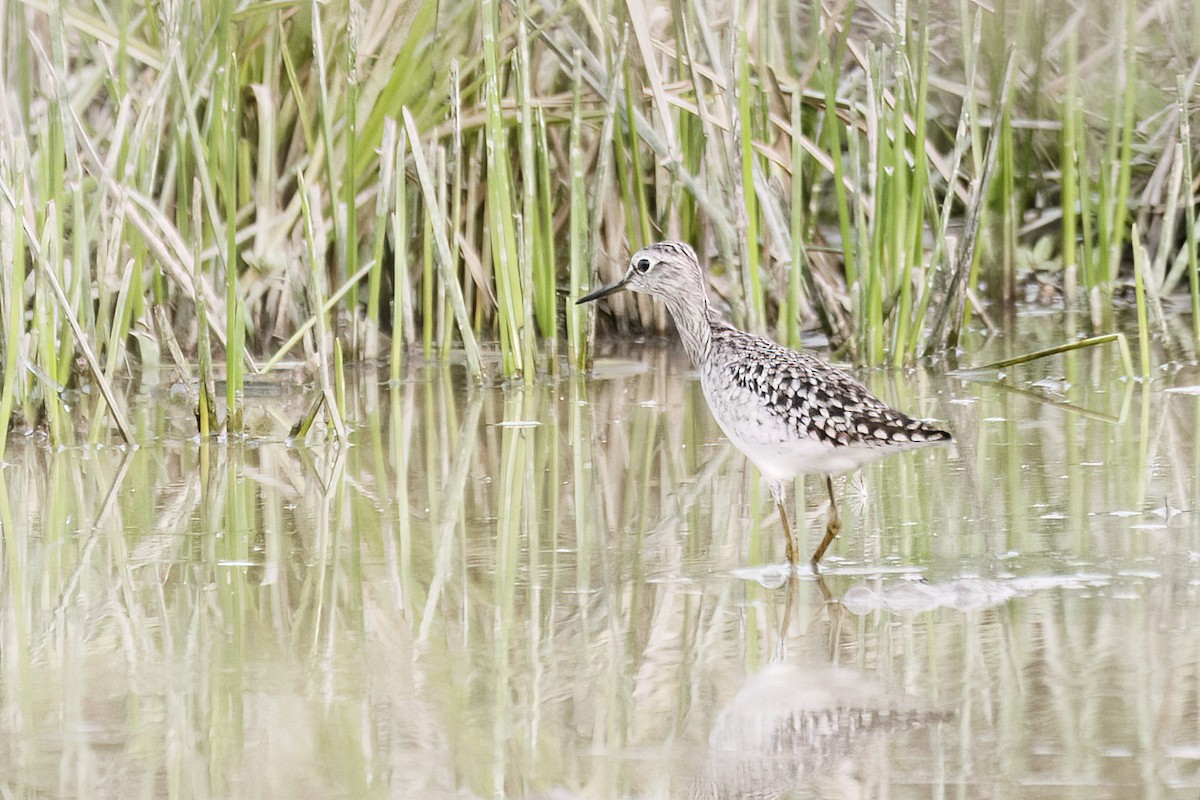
{"x":227,"y":188}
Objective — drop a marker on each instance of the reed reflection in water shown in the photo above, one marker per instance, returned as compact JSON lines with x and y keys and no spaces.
{"x":571,"y":589}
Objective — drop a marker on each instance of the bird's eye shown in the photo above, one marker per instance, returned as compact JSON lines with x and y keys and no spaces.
{"x":642,"y":265}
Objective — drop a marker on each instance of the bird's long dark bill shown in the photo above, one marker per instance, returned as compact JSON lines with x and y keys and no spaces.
{"x":603,"y":291}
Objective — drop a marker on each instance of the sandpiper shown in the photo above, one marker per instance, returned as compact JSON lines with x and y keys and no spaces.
{"x":789,"y":412}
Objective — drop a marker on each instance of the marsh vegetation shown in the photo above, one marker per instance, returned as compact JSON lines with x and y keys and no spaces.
{"x":316,"y":482}
{"x":225,"y":189}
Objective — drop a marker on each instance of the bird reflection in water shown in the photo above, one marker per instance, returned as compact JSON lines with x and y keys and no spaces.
{"x":796,"y":725}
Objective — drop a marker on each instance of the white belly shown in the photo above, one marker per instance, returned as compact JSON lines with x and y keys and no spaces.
{"x":784,"y":460}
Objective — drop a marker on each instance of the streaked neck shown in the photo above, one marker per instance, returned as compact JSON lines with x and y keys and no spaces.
{"x":691,"y":313}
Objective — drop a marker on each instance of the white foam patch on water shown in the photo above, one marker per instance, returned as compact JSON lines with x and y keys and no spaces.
{"x":874,"y":570}
{"x":918,"y":598}
{"x":960,"y":594}
{"x":1184,"y":751}
{"x":772,"y":576}
{"x":911,"y":595}
{"x":678,"y":580}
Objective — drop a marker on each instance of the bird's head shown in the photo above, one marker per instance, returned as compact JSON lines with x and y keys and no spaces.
{"x":663,"y":270}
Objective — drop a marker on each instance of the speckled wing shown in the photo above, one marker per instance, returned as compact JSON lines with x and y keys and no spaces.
{"x":816,"y":400}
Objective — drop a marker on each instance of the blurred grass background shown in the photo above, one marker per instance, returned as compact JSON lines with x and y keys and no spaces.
{"x":225,"y":188}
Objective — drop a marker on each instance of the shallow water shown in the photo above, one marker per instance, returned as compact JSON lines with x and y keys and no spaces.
{"x":575,"y":589}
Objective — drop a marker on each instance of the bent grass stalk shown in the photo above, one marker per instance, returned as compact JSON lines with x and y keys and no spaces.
{"x":1092,"y":341}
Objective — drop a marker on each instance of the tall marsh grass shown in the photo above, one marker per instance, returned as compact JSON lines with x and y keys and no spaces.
{"x":445,"y":173}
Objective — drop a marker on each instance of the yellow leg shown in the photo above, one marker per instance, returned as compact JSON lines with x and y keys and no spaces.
{"x":831,"y":527}
{"x":787,"y":532}
{"x":777,"y":491}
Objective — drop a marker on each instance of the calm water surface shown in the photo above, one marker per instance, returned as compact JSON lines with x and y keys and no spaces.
{"x":575,"y":589}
